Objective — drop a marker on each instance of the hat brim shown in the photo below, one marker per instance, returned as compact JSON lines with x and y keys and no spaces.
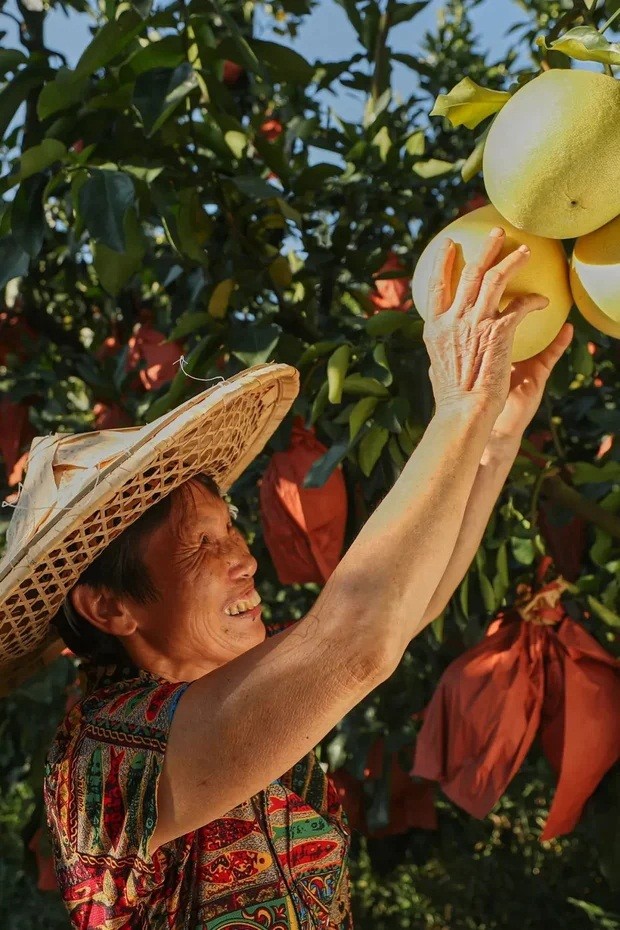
{"x":218,"y":433}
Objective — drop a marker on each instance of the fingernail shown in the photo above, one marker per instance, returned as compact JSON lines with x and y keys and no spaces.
{"x":497,"y":232}
{"x":524,"y":249}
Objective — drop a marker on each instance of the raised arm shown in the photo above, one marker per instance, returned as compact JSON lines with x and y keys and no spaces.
{"x":527,"y":384}
{"x":246,"y":723}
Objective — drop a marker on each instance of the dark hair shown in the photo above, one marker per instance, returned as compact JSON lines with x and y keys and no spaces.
{"x":120,"y":569}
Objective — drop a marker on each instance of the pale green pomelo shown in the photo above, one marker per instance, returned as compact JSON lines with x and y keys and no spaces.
{"x":552,"y":157}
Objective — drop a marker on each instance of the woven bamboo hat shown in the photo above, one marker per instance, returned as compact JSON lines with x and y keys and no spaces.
{"x":81,"y":491}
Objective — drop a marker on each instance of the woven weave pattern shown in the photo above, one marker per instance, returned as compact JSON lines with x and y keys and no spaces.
{"x":218,"y":444}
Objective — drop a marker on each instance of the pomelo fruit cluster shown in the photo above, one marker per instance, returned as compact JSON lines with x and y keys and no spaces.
{"x":552,"y":171}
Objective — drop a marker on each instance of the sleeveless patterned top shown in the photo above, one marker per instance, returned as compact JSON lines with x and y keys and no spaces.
{"x":275,"y":862}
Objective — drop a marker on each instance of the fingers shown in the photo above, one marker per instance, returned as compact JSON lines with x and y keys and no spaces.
{"x":439,"y":288}
{"x":554,"y":351}
{"x":496,"y":280}
{"x":474,"y":271}
{"x":521,"y":306}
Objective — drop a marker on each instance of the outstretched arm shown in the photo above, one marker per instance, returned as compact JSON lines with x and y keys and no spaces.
{"x":528,"y":382}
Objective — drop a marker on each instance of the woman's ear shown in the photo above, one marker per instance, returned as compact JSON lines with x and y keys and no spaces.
{"x":105,"y":610}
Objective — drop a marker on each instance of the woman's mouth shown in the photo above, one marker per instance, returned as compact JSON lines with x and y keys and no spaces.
{"x":245,"y":607}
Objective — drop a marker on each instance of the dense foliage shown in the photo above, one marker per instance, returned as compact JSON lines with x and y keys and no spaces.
{"x":189,"y":179}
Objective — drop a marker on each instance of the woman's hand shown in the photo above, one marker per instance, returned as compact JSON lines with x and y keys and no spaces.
{"x":468,"y":340}
{"x":527,"y":385}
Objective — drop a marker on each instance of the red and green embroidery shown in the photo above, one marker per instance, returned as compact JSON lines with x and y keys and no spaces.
{"x":276,"y":862}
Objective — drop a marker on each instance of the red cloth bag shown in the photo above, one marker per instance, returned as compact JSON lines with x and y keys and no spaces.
{"x":412,"y":803}
{"x":536,"y":671}
{"x":391,"y":293}
{"x":304,"y":527}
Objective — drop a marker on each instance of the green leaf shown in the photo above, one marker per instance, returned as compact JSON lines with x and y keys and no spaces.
{"x":337,"y":366}
{"x":405,"y":12}
{"x":585,"y":43}
{"x":66,"y":90}
{"x":254,"y":343}
{"x":383,"y":142}
{"x":159,"y":92}
{"x":464,"y":596}
{"x":255,"y":187}
{"x":283,"y":63}
{"x":320,"y":470}
{"x":380,"y":356}
{"x":191,"y":227}
{"x":109,"y":42}
{"x":467,"y":104}
{"x":360,"y":415}
{"x":15,"y":91}
{"x":364,"y":387}
{"x":236,"y":141}
{"x":14,"y":262}
{"x":437,"y":626}
{"x":416,"y":143}
{"x":393,"y":414}
{"x":315,"y":177}
{"x":386,"y":322}
{"x":28,"y":223}
{"x":523,"y":550}
{"x":113,"y":268}
{"x":220,"y":298}
{"x":10,"y":59}
{"x":189,"y":323}
{"x":502,"y":564}
{"x":104,"y":200}
{"x":585,"y":473}
{"x":432,"y":168}
{"x":319,"y":403}
{"x":396,"y":455}
{"x":147,"y":173}
{"x":604,"y":613}
{"x":236,"y":47}
{"x":40,"y":157}
{"x":488,"y":594}
{"x":370,"y":448}
{"x":167,"y":52}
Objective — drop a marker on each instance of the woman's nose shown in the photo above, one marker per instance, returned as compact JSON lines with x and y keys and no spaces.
{"x":242,"y":562}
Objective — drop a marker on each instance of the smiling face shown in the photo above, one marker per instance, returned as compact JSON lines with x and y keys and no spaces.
{"x":208,"y":611}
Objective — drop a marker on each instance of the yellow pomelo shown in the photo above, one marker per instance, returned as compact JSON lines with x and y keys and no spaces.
{"x":552,"y":157}
{"x":590,"y":311}
{"x":545,"y":273}
{"x":595,"y":264}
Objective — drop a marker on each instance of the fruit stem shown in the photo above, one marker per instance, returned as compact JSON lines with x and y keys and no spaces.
{"x":606,"y":25}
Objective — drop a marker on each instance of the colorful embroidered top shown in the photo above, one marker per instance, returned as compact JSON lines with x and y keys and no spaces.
{"x":275,"y":862}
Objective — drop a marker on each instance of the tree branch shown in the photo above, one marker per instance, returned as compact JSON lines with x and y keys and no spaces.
{"x":561,"y":493}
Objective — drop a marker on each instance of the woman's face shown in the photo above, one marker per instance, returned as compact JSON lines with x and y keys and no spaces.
{"x":208,"y":610}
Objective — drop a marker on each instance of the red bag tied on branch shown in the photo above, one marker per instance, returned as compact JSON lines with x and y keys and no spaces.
{"x":411,"y":803}
{"x":536,"y":671}
{"x":303,"y":527}
{"x":391,"y":293}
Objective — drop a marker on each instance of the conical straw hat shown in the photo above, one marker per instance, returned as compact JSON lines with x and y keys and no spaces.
{"x":81,"y":491}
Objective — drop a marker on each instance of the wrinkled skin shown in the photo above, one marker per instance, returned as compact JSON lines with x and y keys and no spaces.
{"x":200,"y":563}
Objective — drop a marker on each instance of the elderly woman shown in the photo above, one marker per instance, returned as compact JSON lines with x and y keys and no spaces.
{"x":182,"y":791}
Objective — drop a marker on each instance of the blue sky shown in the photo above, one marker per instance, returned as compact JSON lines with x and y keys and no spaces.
{"x":325,"y":34}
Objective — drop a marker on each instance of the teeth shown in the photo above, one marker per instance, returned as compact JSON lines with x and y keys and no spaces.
{"x":240,"y":607}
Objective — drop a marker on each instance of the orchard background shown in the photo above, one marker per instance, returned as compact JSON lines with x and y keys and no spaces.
{"x":188,"y":180}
